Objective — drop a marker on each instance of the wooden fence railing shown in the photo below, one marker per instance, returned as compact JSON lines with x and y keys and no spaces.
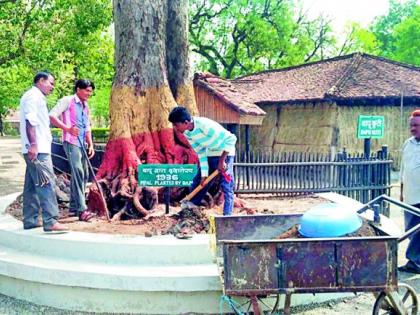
{"x":300,"y":173}
{"x":289,"y":174}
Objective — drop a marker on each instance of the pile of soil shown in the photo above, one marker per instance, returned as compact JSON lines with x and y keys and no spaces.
{"x":189,"y":221}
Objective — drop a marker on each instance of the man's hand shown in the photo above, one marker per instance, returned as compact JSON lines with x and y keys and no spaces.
{"x":74,"y":131}
{"x":222,"y":164}
{"x":33,"y":151}
{"x":90,"y":151}
{"x":203,"y":179}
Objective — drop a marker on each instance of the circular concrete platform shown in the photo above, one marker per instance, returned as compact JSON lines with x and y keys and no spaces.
{"x":107,"y":273}
{"x":111,"y":273}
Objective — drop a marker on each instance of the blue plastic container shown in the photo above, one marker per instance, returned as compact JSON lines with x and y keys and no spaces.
{"x":329,"y":220}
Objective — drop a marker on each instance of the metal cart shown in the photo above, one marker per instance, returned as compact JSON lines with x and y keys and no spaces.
{"x":255,"y":266}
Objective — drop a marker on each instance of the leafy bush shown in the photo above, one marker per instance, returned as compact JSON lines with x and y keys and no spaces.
{"x":98,"y":134}
{"x":10,"y":130}
{"x":56,"y":132}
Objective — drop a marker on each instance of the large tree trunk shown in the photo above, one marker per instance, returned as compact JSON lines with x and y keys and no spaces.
{"x":177,"y":55}
{"x":152,"y":75}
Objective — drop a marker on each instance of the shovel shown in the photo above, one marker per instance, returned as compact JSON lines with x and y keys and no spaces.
{"x":186,"y":203}
{"x":101,"y":193}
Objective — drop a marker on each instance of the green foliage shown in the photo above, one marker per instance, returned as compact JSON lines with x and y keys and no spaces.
{"x":358,"y":39}
{"x":98,"y":134}
{"x":10,"y":130}
{"x":99,"y":104}
{"x":407,"y":39}
{"x":384,"y":26}
{"x":12,"y":86}
{"x":68,"y":37}
{"x":56,"y":132}
{"x":236,"y":37}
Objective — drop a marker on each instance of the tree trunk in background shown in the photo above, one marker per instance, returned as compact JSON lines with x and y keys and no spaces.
{"x":152,"y":75}
{"x":177,"y":55}
{"x":1,"y":127}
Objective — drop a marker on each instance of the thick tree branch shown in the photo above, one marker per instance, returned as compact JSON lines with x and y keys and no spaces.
{"x":199,"y":14}
{"x":238,"y":37}
{"x":319,"y":41}
{"x":347,"y":43}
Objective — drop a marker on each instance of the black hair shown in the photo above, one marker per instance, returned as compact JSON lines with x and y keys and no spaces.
{"x":43,"y":74}
{"x":83,"y":84}
{"x":179,"y":114}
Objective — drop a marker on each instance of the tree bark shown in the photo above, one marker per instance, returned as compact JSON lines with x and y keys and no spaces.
{"x":1,"y":126}
{"x":152,"y":76}
{"x":177,"y":55}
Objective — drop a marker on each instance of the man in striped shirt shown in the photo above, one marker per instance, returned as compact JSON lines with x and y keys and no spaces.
{"x":215,"y":147}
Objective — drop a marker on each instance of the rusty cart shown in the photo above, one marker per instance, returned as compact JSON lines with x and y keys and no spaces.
{"x":254,"y":265}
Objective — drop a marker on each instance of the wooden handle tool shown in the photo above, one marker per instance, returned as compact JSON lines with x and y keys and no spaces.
{"x":199,"y":187}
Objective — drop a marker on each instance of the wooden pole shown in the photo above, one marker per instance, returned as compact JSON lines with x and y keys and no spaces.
{"x":247,"y":138}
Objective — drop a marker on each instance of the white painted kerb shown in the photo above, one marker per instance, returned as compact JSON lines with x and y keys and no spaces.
{"x":111,"y":273}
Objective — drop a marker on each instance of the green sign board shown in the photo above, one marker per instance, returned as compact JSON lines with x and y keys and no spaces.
{"x":166,"y":175}
{"x":370,"y":127}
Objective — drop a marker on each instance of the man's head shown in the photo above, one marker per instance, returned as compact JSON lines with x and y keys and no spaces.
{"x":180,"y":119}
{"x":84,"y":89}
{"x":44,"y":81}
{"x":415,"y":124}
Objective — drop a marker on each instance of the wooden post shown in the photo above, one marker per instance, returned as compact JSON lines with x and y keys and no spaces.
{"x":247,"y":138}
{"x":167,"y":199}
{"x":367,"y":148}
{"x":247,"y":153}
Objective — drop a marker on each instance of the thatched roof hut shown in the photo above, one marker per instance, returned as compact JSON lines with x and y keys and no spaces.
{"x":314,"y":107}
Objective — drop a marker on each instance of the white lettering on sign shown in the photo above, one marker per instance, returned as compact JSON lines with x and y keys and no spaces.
{"x":147,"y":171}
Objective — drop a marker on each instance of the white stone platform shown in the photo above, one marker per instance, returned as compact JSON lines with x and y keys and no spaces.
{"x":111,"y":273}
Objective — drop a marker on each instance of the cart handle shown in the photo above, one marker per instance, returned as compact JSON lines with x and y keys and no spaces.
{"x":404,"y":206}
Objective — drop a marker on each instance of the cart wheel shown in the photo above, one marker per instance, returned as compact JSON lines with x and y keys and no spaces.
{"x":407,"y":296}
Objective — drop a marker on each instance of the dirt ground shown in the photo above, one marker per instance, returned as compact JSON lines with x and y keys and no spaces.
{"x":191,"y":222}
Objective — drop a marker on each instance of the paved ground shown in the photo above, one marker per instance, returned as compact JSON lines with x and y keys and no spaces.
{"x":12,"y":166}
{"x":12,"y":170}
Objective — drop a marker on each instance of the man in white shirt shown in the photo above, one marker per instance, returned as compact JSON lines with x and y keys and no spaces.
{"x":410,"y":191}
{"x":36,"y":148}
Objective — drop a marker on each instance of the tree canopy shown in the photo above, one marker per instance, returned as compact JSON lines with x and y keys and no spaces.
{"x":70,"y":38}
{"x":230,"y":38}
{"x":406,"y":39}
{"x":236,"y":37}
{"x":384,"y":26}
{"x":233,"y":37}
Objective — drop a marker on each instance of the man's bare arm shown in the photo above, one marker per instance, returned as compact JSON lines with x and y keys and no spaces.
{"x":58,"y":123}
{"x":31,"y":134}
{"x":89,"y":141}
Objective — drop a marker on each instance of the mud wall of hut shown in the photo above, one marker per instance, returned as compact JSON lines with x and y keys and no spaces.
{"x":396,"y":129}
{"x":324,"y":126}
{"x":306,"y":127}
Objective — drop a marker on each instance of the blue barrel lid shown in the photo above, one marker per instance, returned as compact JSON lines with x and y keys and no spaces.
{"x":329,"y":220}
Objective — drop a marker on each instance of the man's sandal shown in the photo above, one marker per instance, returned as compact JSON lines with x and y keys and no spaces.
{"x":86,"y":216}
